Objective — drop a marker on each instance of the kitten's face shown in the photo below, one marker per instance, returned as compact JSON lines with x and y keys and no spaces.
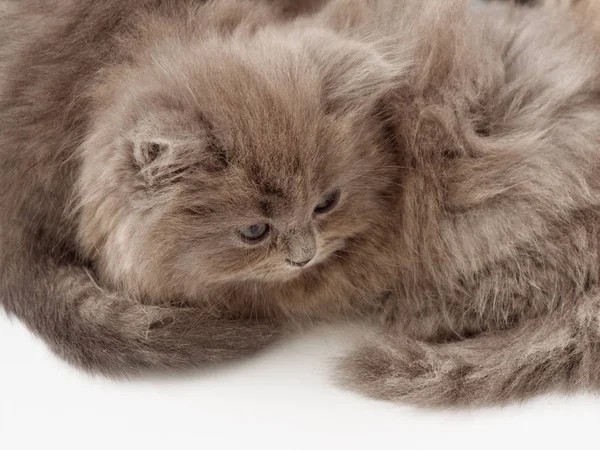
{"x":243,"y":162}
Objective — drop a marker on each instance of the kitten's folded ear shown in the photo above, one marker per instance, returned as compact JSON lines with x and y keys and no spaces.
{"x":358,"y":68}
{"x":355,"y":82}
{"x":146,"y":152}
{"x":355,"y":78}
{"x":161,"y":154}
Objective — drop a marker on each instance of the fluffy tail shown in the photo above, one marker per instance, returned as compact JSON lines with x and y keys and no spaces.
{"x":557,"y":352}
{"x":102,"y":332}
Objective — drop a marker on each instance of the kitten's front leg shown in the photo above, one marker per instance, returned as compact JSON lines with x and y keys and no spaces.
{"x":106,"y":332}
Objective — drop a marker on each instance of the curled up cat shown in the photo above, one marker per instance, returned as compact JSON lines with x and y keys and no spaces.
{"x":183,"y":181}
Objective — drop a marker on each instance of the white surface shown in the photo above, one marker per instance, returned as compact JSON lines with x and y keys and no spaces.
{"x":282,"y":399}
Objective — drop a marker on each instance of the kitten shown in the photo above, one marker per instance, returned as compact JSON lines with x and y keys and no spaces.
{"x":181,"y":181}
{"x":145,"y":144}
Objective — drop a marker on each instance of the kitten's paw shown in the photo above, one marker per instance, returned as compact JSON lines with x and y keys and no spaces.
{"x":405,"y":370}
{"x":117,"y":336}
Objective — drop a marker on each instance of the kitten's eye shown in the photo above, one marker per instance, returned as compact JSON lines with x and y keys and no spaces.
{"x":328,"y":202}
{"x":255,"y":233}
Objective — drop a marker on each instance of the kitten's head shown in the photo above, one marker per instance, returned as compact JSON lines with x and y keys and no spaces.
{"x":237,"y":159}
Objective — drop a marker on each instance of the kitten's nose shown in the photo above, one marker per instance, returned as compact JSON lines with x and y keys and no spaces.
{"x":300,"y":246}
{"x":298,"y":263}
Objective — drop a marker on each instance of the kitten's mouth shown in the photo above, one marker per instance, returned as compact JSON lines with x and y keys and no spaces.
{"x":324,"y":254}
{"x":286,"y":272}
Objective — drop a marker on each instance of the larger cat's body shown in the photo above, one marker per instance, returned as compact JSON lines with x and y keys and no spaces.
{"x":380,"y":157}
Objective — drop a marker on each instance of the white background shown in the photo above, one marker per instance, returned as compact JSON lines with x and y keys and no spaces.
{"x":281,"y":399}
